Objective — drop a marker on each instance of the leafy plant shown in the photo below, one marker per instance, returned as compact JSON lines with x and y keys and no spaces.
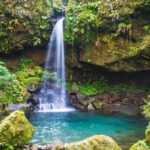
{"x":11,"y":90}
{"x":147,"y":28}
{"x":90,"y":88}
{"x":146,"y":107}
{"x":28,"y":73}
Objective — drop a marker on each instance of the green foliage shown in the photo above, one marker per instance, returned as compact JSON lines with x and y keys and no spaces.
{"x":134,"y":50}
{"x":23,"y":23}
{"x":147,"y":28}
{"x":80,"y":18}
{"x":90,"y":88}
{"x":146,"y":107}
{"x":23,"y":63}
{"x":57,"y":9}
{"x":10,"y":89}
{"x":28,"y":73}
{"x":86,"y":16}
{"x":121,"y":88}
{"x":94,"y":88}
{"x":141,"y":145}
{"x":147,"y":133}
{"x":6,"y":146}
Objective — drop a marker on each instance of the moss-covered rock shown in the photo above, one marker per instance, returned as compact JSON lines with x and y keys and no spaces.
{"x":97,"y":142}
{"x":148,"y":133}
{"x":146,"y":107}
{"x":141,"y":145}
{"x":15,"y":130}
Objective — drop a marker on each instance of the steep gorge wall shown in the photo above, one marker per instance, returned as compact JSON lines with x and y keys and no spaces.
{"x":111,"y":34}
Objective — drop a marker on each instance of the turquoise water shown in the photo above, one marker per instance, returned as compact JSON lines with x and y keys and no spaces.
{"x":75,"y":126}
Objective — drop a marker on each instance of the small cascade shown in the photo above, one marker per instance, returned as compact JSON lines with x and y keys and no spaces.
{"x":52,"y":95}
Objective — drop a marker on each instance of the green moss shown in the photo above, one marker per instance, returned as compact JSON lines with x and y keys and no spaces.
{"x":148,"y":133}
{"x":141,"y":145}
{"x":15,"y":130}
{"x":57,"y":9}
{"x":98,"y":104}
{"x":97,"y":142}
{"x":28,"y":73}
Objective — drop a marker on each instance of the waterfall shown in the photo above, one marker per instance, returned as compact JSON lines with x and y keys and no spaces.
{"x":53,"y":93}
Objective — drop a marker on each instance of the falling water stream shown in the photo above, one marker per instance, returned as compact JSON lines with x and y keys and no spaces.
{"x":52,"y":96}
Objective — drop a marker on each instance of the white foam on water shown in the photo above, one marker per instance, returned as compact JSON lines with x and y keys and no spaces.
{"x":58,"y":110}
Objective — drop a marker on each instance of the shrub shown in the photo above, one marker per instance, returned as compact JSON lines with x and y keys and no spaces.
{"x":146,"y":107}
{"x":28,"y":73}
{"x":11,"y":90}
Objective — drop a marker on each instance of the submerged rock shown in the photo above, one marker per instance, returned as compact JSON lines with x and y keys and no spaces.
{"x":15,"y":129}
{"x":97,"y":142}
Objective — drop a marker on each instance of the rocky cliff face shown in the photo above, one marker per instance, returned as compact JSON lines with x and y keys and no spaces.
{"x":111,"y":34}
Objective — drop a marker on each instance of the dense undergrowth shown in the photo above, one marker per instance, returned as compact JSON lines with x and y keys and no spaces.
{"x":89,"y":88}
{"x":11,"y":90}
{"x":146,"y":107}
{"x":13,"y":86}
{"x":114,"y":17}
{"x":23,"y":23}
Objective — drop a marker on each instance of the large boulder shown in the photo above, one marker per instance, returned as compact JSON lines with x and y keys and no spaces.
{"x":15,"y":129}
{"x":97,"y":142}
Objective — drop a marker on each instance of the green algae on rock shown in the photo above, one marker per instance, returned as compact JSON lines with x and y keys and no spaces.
{"x":15,"y":130}
{"x":97,"y":142}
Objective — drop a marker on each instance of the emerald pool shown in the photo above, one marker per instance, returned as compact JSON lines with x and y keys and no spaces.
{"x":74,"y":126}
